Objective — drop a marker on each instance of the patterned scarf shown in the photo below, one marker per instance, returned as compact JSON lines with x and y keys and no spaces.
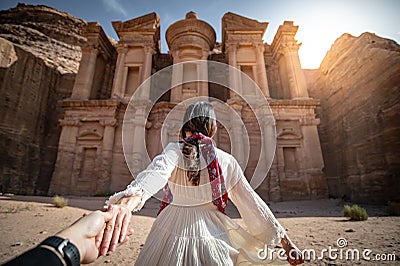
{"x":218,"y":189}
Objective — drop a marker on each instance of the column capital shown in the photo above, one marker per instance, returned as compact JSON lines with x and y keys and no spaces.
{"x":231,"y":47}
{"x":109,"y":122}
{"x":122,"y":49}
{"x":137,"y":121}
{"x":290,"y":47}
{"x":309,"y":121}
{"x":259,"y":47}
{"x":91,"y":49}
{"x":148,"y":49}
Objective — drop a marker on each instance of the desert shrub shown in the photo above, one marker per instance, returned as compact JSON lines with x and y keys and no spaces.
{"x":18,"y":208}
{"x":60,"y":202}
{"x":393,"y":208}
{"x":355,"y":213}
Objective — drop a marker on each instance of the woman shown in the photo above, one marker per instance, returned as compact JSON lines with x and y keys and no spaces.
{"x":192,"y":227}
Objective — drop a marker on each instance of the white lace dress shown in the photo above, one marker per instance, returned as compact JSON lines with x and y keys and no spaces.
{"x":191,"y":230}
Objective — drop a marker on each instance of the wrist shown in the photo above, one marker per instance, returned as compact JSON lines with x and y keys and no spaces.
{"x":130,"y":202}
{"x":76,"y":240}
{"x":64,"y":248}
{"x":55,"y":251}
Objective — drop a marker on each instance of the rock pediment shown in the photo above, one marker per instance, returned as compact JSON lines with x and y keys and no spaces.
{"x":90,"y":135}
{"x":231,"y":21}
{"x":288,"y":134}
{"x":149,"y":22}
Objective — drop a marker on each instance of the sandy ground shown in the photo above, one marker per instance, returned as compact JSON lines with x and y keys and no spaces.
{"x":26,"y":221}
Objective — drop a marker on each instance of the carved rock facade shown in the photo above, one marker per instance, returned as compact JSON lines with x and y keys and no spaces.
{"x":90,"y":154}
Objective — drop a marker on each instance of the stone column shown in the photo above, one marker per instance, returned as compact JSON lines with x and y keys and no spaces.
{"x":84,"y":79}
{"x":261,"y":72}
{"x":146,"y":72}
{"x":119,"y":82}
{"x":61,"y":179}
{"x":177,"y":76}
{"x":165,"y":131}
{"x":312,"y":159}
{"x":203,"y":75}
{"x":139,"y":153}
{"x":103,"y":184}
{"x":297,"y":83}
{"x":236,"y":129}
{"x":233,"y":75}
{"x":268,"y":141}
{"x":274,"y":183}
{"x":104,"y":86}
{"x":255,"y":75}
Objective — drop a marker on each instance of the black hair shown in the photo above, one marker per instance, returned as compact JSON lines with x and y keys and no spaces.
{"x":199,"y":117}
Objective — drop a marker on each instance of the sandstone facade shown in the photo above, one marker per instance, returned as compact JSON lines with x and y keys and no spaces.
{"x":41,"y":53}
{"x":358,"y":84}
{"x":90,"y":157}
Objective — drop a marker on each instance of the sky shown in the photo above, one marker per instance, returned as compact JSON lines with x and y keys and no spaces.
{"x":320,"y":22}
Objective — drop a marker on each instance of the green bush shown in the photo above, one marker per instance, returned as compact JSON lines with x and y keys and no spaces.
{"x":355,"y":213}
{"x":393,"y":208}
{"x":60,"y":202}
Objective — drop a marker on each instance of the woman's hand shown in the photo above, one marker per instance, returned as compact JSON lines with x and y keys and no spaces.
{"x":116,"y":229}
{"x":294,"y":255}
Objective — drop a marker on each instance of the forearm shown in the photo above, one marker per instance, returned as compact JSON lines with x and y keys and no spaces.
{"x":36,"y":257}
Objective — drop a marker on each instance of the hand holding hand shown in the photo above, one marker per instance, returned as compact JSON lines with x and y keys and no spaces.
{"x":86,"y":230}
{"x":116,"y":230}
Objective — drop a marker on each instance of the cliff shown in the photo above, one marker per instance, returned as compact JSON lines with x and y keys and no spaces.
{"x":39,"y":58}
{"x":51,"y":35}
{"x":358,"y":84}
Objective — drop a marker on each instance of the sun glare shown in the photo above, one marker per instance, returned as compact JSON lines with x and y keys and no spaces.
{"x":317,"y":35}
{"x":319,"y":29}
{"x":315,"y":44}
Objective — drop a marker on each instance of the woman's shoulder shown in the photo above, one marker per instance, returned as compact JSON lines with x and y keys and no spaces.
{"x":224,"y":156}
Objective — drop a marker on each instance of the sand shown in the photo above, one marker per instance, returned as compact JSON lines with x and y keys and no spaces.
{"x":315,"y":224}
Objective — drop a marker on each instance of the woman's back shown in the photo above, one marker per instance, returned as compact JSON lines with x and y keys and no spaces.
{"x":185,"y":193}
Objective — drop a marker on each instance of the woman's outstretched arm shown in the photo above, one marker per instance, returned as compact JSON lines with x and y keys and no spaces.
{"x":147,"y":183}
{"x":259,"y":219}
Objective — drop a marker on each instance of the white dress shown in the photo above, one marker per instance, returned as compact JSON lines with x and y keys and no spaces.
{"x":191,"y":230}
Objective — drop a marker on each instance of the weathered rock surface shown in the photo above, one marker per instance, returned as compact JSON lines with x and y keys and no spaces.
{"x":39,"y":59}
{"x":47,"y":33}
{"x":358,"y":83}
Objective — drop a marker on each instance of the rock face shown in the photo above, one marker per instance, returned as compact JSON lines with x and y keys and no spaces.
{"x":39,"y":59}
{"x":358,"y":84}
{"x":49,"y":34}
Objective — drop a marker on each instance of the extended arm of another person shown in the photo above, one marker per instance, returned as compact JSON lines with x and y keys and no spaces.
{"x":71,"y":246}
{"x":147,"y":183}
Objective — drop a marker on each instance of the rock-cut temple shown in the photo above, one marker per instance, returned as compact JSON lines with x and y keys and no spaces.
{"x":90,"y":157}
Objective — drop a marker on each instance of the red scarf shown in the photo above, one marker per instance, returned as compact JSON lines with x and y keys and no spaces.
{"x":218,"y":189}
